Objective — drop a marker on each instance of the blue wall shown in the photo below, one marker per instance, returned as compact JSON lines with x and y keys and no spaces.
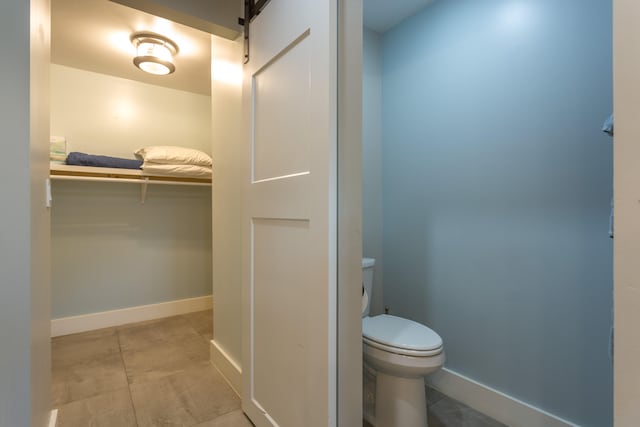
{"x":496,"y":190}
{"x":372,"y":161}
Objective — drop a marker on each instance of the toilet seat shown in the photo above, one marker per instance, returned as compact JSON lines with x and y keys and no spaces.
{"x":400,"y":336}
{"x":402,"y":351}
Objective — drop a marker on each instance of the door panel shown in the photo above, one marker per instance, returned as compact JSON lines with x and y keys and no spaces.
{"x":282,"y":115}
{"x":289,"y":217}
{"x":280,"y":264}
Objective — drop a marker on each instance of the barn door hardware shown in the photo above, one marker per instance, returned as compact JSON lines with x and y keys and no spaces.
{"x":252,"y":8}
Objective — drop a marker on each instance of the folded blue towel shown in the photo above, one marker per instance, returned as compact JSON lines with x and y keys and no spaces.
{"x":607,"y":127}
{"x":82,"y":159}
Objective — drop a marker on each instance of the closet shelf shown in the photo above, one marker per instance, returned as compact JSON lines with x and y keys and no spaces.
{"x":87,"y":173}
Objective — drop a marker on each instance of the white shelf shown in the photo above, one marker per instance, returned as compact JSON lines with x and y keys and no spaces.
{"x":61,"y":172}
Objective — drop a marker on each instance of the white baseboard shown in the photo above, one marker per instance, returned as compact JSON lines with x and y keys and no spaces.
{"x":105,"y":319}
{"x":53,"y":418}
{"x":228,"y":367}
{"x":497,"y":405}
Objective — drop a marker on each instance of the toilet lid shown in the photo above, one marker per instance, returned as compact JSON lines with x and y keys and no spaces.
{"x":400,"y":333}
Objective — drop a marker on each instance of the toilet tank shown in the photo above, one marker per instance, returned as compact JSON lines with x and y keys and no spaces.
{"x":367,"y":284}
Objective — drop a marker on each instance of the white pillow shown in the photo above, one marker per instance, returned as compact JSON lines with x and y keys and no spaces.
{"x":192,"y":171}
{"x":171,"y":155}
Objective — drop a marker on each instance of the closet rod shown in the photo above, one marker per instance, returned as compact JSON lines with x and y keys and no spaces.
{"x":126,"y":180}
{"x":144,"y":181}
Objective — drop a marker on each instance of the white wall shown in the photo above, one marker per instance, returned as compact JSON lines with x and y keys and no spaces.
{"x":218,"y":17}
{"x":109,"y":250}
{"x":226,"y":119}
{"x":627,"y":210}
{"x":24,"y":229}
{"x":40,"y":232}
{"x":101,"y":114}
{"x":372,"y":160}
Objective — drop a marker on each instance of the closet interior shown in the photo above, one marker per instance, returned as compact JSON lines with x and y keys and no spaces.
{"x":123,"y":238}
{"x":132,"y":247}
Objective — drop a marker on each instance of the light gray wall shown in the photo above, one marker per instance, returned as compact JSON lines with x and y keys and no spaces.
{"x":110,"y":251}
{"x":372,"y":161}
{"x":226,"y":101}
{"x":497,"y":183}
{"x":15,"y":186}
{"x":24,"y":229}
{"x":627,"y":241}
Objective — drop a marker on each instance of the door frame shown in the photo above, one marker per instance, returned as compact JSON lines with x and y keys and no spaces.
{"x":626,"y":176}
{"x":349,"y":385}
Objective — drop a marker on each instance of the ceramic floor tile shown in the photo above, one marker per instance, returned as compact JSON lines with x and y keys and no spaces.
{"x":450,"y":413}
{"x":446,"y":412}
{"x":168,"y":358}
{"x":233,"y":419}
{"x":141,"y":336}
{"x":87,"y":378}
{"x":71,"y":349}
{"x":202,"y":322}
{"x":183,"y":399}
{"x":105,"y":410}
{"x":433,"y":396}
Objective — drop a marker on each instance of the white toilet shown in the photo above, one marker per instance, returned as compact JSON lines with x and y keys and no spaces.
{"x":401,"y":352}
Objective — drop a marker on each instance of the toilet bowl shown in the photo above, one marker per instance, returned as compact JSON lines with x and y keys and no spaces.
{"x":401,"y":352}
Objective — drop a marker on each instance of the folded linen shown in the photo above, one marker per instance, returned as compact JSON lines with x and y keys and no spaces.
{"x":171,"y":155}
{"x":188,"y":171}
{"x":83,"y":159}
{"x":57,"y":148}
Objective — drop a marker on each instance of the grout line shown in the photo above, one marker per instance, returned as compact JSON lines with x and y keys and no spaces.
{"x":126,"y":374}
{"x":126,"y":371}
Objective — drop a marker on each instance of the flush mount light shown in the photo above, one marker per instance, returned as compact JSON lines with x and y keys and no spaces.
{"x":154,"y":53}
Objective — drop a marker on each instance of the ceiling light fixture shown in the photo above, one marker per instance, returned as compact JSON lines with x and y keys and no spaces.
{"x":154,"y":53}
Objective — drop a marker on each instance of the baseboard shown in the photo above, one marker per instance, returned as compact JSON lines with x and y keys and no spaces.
{"x":229,"y":369}
{"x":497,"y":405}
{"x":105,"y":319}
{"x":53,"y":418}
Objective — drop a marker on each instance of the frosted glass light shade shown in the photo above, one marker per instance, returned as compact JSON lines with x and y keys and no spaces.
{"x":154,"y":53}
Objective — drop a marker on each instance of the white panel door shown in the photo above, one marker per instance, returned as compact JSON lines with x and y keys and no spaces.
{"x":289,"y":216}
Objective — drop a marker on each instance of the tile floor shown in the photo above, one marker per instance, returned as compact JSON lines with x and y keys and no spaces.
{"x":157,"y":373}
{"x":446,"y":412}
{"x":154,"y":373}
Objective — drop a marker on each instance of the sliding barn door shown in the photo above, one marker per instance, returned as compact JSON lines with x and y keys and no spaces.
{"x":289,"y":250}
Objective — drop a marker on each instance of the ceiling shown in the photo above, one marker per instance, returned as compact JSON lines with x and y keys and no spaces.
{"x":382,"y":15}
{"x":94,"y":35}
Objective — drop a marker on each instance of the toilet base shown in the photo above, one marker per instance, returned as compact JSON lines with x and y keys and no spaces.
{"x":400,"y":401}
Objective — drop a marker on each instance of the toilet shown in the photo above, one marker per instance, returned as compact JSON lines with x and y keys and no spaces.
{"x":400,"y":352}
